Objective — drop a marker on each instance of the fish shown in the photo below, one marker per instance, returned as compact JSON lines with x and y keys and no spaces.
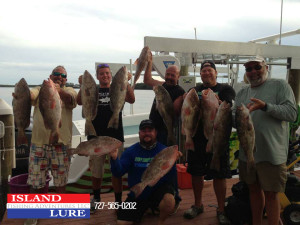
{"x":89,"y":98}
{"x":50,"y":106}
{"x":21,"y":109}
{"x":190,"y":117}
{"x":221,"y":134}
{"x":246,"y":134}
{"x":209,"y":107}
{"x":142,"y":62}
{"x":97,"y":146}
{"x":164,"y":105}
{"x":160,"y":165}
{"x":117,"y":93}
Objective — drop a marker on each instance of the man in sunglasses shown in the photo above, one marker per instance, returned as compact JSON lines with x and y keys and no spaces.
{"x":272,"y":106}
{"x":199,"y":160}
{"x":44,"y":156}
{"x":100,"y":123}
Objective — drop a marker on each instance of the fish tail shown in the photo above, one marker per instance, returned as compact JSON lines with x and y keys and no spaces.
{"x":21,"y":138}
{"x":54,"y":136}
{"x":113,"y":122}
{"x":89,"y":128}
{"x":138,"y":189}
{"x":215,"y":163}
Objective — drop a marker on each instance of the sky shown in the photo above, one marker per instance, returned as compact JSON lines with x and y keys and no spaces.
{"x":36,"y":36}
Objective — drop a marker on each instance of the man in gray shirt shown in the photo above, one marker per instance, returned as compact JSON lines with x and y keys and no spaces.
{"x":271,"y":103}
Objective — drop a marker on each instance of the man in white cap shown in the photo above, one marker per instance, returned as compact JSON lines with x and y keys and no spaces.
{"x":272,"y":105}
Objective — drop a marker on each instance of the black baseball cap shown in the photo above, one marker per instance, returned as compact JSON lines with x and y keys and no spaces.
{"x":146,"y":123}
{"x":207,"y":63}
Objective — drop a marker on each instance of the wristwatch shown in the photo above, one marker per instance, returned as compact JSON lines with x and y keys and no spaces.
{"x":265,"y":107}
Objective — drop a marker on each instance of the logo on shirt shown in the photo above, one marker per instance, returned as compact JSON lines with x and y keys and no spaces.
{"x":104,"y":100}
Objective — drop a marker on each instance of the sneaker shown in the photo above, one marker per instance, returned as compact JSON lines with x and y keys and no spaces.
{"x":93,"y":206}
{"x":223,"y":220}
{"x":31,"y":222}
{"x":176,"y":207}
{"x":193,"y":212}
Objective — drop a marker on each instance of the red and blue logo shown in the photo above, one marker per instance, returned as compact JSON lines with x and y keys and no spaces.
{"x":48,"y":206}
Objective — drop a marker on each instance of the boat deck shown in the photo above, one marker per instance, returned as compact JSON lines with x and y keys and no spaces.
{"x":108,"y":216}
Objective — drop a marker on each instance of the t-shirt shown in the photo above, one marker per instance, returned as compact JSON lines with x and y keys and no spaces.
{"x":175,"y":92}
{"x":40,"y":135}
{"x":104,"y":114}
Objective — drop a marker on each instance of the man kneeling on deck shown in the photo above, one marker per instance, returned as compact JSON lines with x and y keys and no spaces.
{"x":135,"y":161}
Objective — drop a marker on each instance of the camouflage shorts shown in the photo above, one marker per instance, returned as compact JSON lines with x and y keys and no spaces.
{"x":41,"y":159}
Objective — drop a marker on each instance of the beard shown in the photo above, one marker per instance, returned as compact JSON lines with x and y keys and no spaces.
{"x":258,"y":81}
{"x":148,"y":141}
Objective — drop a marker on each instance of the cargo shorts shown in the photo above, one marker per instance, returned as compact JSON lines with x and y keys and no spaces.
{"x":270,"y":177}
{"x":96,"y":163}
{"x":48,"y":157}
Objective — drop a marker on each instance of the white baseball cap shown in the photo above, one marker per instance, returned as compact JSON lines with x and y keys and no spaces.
{"x":255,"y":59}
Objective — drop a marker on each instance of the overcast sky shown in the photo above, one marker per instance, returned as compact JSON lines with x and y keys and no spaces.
{"x":36,"y":35}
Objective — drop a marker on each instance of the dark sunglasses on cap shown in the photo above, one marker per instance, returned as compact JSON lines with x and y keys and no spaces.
{"x":57,"y":74}
{"x":104,"y":65}
{"x":250,"y":68}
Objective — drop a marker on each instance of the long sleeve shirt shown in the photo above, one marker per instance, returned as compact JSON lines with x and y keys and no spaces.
{"x":271,"y":126}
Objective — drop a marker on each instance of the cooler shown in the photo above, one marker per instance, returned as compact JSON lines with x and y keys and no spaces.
{"x":184,"y":178}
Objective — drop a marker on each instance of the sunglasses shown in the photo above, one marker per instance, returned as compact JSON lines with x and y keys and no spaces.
{"x":256,"y":67}
{"x":57,"y":74}
{"x":104,"y":65}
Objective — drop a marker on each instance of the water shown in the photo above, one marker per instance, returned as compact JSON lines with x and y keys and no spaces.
{"x":143,"y":103}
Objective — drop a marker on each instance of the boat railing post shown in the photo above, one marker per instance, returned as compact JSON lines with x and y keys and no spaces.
{"x":131,"y":81}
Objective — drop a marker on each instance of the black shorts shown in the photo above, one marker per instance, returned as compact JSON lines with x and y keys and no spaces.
{"x":141,"y":206}
{"x":199,"y":164}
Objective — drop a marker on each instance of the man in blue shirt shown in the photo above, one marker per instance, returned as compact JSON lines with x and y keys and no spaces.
{"x":135,"y":161}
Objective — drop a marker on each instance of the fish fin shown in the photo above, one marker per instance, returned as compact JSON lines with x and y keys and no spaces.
{"x":70,"y":151}
{"x":89,"y":128}
{"x":138,"y":189}
{"x":14,"y":95}
{"x":215,"y":163}
{"x":136,"y":61}
{"x":22,"y":140}
{"x":113,"y":122}
{"x":53,"y":139}
{"x":133,"y":86}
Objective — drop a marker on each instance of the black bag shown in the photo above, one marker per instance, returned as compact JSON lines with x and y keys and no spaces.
{"x":237,"y":206}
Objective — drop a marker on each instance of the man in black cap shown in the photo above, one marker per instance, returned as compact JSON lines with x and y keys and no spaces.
{"x":135,"y":161}
{"x":199,"y":160}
